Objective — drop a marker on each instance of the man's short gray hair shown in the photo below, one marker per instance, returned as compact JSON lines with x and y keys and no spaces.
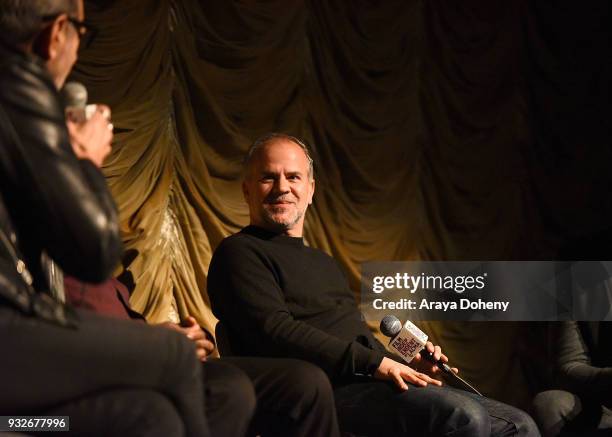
{"x":21,"y":20}
{"x":274,"y":136}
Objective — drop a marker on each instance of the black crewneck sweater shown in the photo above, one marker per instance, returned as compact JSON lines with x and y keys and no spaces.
{"x":280,"y":298}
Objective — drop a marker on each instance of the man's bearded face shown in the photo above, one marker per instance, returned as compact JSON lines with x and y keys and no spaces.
{"x":278,"y":188}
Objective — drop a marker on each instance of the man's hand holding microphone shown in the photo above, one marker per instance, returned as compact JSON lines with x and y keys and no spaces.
{"x":420,"y":375}
{"x":410,"y":343}
{"x":89,"y":126}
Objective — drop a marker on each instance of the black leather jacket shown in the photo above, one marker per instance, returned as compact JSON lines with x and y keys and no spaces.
{"x":55,"y":202}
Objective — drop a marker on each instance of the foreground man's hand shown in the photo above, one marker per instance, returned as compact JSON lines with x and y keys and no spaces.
{"x":400,"y":374}
{"x":91,"y":139}
{"x":192,"y":330}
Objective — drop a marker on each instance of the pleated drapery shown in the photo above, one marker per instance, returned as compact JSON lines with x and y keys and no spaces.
{"x":440,"y":130}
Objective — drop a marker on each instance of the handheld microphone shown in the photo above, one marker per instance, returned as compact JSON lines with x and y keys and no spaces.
{"x":408,"y":340}
{"x":74,"y":95}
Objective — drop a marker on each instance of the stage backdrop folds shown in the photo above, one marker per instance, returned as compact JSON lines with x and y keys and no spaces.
{"x":441,"y":130}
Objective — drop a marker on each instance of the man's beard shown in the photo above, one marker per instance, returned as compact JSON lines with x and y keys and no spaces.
{"x":284,"y":224}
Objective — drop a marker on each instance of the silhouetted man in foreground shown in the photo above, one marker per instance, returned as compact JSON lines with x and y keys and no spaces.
{"x":110,"y":377}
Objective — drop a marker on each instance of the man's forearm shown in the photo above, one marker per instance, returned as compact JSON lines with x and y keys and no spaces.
{"x":587,"y":380}
{"x":574,"y":369}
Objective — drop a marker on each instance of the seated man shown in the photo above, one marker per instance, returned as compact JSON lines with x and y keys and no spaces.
{"x":110,"y":377}
{"x":580,"y":404}
{"x":278,"y":297}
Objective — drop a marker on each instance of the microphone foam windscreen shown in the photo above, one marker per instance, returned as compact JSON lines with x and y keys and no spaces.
{"x":390,"y":326}
{"x":74,"y":95}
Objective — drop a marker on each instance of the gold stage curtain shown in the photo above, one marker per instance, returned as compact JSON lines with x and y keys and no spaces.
{"x":440,"y":130}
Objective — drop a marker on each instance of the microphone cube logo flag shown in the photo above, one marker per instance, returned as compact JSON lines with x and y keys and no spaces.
{"x":408,"y":342}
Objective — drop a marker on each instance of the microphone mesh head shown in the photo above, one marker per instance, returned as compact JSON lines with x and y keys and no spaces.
{"x":74,"y":95}
{"x":390,"y":326}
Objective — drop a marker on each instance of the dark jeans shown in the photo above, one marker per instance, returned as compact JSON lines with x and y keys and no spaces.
{"x":378,"y":408}
{"x":561,"y":413}
{"x":294,"y":398}
{"x":99,"y":369}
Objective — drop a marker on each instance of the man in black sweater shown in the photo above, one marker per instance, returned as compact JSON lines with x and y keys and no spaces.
{"x":278,"y":297}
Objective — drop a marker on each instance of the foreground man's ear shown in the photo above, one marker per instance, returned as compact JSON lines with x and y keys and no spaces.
{"x":51,"y":39}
